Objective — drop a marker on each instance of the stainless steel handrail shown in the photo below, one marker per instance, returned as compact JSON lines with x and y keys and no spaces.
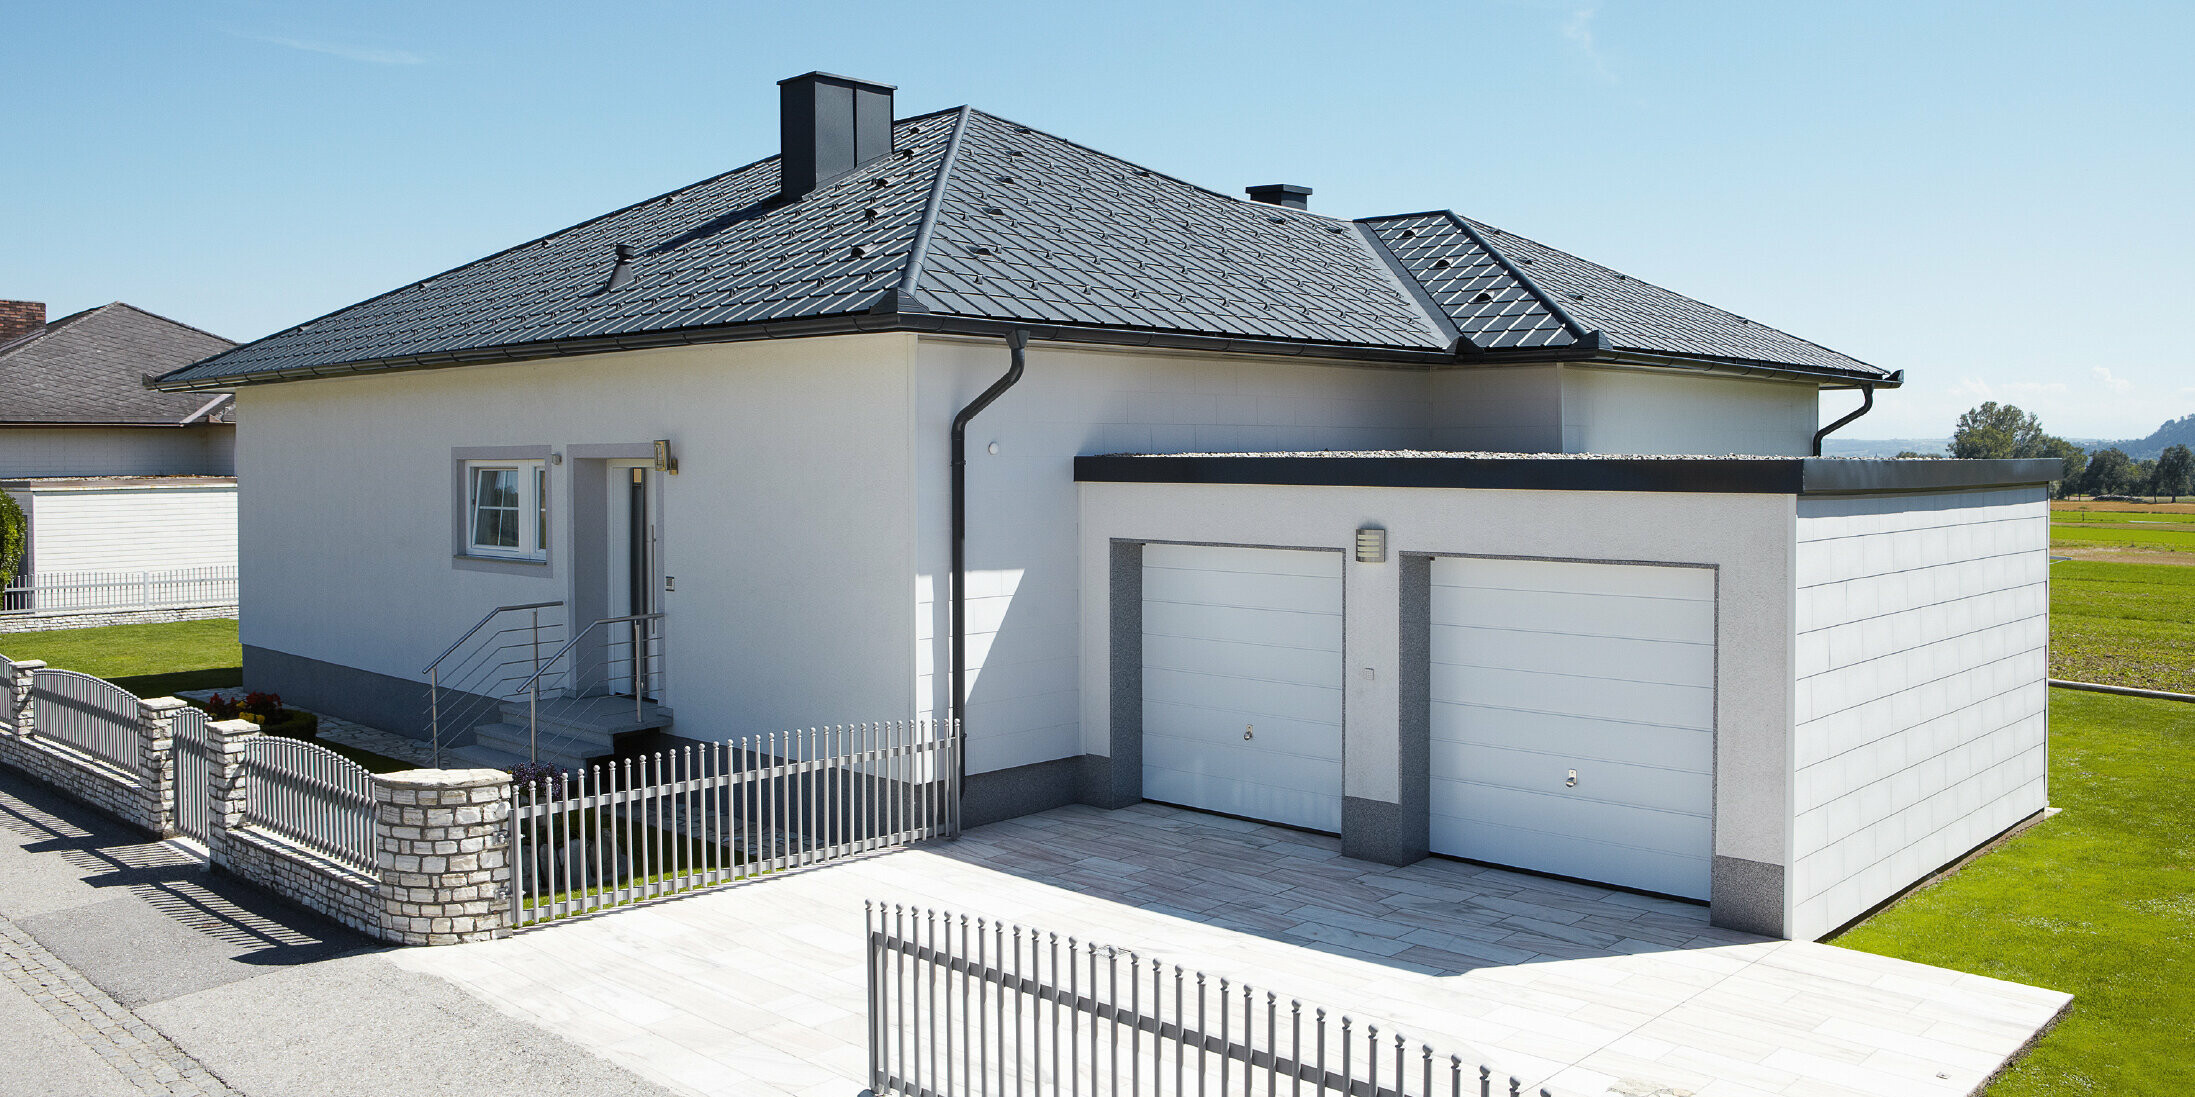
{"x":433,"y":670}
{"x":532,"y":685}
{"x":482,"y":623}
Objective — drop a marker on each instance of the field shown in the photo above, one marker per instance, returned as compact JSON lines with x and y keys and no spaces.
{"x":2163,"y":533}
{"x":2123,"y":624}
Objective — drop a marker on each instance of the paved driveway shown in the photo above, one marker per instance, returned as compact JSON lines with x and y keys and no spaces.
{"x":758,"y":988}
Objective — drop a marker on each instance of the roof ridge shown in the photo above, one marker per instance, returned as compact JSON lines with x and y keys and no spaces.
{"x":1682,"y":296}
{"x":905,"y":298}
{"x":1436,"y":318}
{"x":1094,"y":151}
{"x":143,"y":311}
{"x":1578,"y":331}
{"x":492,"y":256}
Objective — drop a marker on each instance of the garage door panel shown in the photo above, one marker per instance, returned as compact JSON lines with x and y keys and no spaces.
{"x":1539,"y":668}
{"x":1234,"y":638}
{"x":1269,"y":700}
{"x":1576,"y":695}
{"x":1220,"y":588}
{"x":1220,"y":730}
{"x":1572,"y":817}
{"x":1239,"y":560}
{"x":1656,"y":787}
{"x":1232,"y":659}
{"x":1580,"y":577}
{"x":1254,"y":627}
{"x":1586,"y":859}
{"x":1636,"y":744}
{"x":1580,"y":614}
{"x":1619,"y":657}
{"x":1255,"y":800}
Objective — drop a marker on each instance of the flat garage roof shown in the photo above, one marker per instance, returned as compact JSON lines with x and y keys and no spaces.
{"x":1567,"y":472}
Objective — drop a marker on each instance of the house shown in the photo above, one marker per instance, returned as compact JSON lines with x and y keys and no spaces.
{"x":1404,"y":528}
{"x":115,"y":478}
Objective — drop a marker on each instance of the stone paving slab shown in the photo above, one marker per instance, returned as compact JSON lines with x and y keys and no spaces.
{"x":1584,"y":990}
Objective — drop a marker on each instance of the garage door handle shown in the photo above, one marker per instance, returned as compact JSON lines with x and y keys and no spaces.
{"x":1573,"y":780}
{"x":1247,"y":729}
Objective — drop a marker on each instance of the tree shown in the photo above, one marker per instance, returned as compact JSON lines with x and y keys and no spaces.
{"x":2110,"y":472}
{"x":1996,"y":431}
{"x":14,"y":537}
{"x":2145,"y":478}
{"x":2175,"y":472}
{"x":2075,"y":458}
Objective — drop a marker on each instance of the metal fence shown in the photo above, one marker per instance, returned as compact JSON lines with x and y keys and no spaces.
{"x":46,"y":592}
{"x":91,"y":714}
{"x":194,"y":754}
{"x":707,"y":815}
{"x":311,"y":797}
{"x":960,"y":1007}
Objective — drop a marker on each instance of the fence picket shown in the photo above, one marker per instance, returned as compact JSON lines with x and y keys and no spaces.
{"x":921,"y":1049}
{"x":695,"y":817}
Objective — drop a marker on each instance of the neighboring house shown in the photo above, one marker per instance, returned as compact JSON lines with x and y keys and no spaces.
{"x":116,"y":479}
{"x":1404,"y":528}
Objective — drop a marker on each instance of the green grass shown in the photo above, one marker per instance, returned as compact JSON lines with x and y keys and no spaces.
{"x":2123,"y":624}
{"x":2179,"y":538}
{"x":147,"y":660}
{"x":2098,"y":901}
{"x":2122,"y":517}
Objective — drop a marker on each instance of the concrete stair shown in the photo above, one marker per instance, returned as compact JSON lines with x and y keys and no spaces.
{"x":571,"y":731}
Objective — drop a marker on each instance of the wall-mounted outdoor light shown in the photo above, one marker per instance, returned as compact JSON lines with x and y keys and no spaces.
{"x":1371,"y":546}
{"x":664,"y":462}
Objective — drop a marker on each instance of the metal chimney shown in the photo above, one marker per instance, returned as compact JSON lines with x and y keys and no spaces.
{"x":830,"y":126}
{"x":1281,"y":194}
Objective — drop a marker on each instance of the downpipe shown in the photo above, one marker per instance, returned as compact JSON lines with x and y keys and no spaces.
{"x":1017,"y":341}
{"x":1867,"y":404}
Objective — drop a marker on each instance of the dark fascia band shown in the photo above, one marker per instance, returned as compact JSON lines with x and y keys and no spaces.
{"x":1764,"y":476}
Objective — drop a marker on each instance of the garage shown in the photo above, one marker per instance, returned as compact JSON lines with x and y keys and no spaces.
{"x":1242,"y":671}
{"x":1572,"y":722}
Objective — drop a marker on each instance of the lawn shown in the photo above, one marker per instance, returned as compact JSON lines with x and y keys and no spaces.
{"x":2098,"y":901}
{"x":148,"y":660}
{"x":2123,"y":624}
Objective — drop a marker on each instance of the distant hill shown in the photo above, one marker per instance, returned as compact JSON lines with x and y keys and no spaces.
{"x":1834,"y":446}
{"x":2175,"y":432}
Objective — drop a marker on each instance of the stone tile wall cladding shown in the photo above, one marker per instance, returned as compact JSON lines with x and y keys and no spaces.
{"x":441,"y":872}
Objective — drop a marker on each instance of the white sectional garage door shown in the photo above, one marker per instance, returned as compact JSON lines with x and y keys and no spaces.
{"x":1541,"y":668}
{"x":1238,"y":640}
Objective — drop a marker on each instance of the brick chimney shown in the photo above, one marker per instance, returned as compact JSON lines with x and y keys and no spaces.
{"x":21,"y":318}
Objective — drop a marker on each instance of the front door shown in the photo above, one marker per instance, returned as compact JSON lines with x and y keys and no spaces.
{"x":631,"y":578}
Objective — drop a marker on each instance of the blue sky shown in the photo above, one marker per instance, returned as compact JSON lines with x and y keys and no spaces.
{"x":1992,"y":197}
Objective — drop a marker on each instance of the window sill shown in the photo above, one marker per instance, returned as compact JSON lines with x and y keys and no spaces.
{"x":508,"y":565}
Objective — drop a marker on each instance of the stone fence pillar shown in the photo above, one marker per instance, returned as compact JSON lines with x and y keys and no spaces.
{"x":444,"y":859}
{"x":226,"y":792}
{"x":16,"y":695}
{"x":156,"y":763}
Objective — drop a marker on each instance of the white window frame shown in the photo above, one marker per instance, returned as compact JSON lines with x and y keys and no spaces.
{"x":532,"y":505}
{"x":537,"y":502}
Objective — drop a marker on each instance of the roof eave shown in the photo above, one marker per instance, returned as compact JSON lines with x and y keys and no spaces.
{"x":1828,"y":376}
{"x":842,"y":324}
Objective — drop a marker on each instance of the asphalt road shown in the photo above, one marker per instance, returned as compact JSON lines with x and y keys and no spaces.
{"x":126,"y":967}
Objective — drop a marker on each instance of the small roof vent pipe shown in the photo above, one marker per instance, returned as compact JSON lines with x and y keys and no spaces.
{"x":622,"y":274}
{"x":829,"y":126}
{"x":1281,"y":194}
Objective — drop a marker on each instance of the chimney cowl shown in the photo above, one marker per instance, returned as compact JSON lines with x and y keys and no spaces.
{"x":830,"y":125}
{"x":1281,"y":194}
{"x":21,"y":318}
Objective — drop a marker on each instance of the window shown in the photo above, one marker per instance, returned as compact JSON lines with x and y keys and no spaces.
{"x":507,"y":509}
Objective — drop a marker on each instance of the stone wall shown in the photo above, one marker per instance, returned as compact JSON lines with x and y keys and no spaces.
{"x":130,"y":796}
{"x":56,"y":622}
{"x":442,"y":860}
